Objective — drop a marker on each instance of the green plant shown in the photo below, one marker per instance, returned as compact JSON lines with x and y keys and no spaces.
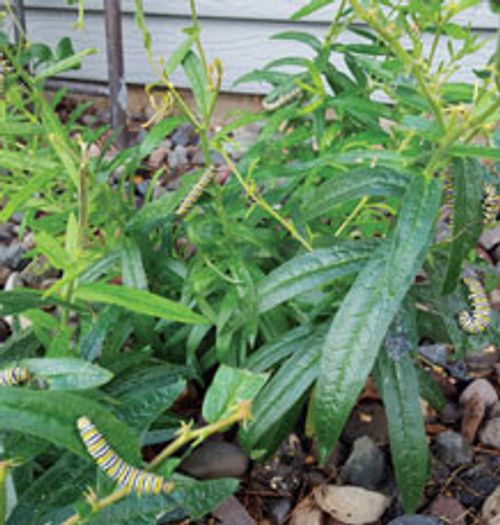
{"x":315,"y":262}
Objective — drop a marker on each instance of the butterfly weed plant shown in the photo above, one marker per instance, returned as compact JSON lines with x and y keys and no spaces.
{"x":322,"y":259}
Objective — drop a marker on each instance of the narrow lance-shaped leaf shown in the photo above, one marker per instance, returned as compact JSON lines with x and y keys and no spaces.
{"x":398,"y":384}
{"x":467,"y":217}
{"x":139,"y":301}
{"x":358,"y":329}
{"x":312,"y":269}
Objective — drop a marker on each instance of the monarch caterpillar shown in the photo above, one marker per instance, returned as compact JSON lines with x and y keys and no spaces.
{"x":117,"y":469}
{"x":274,"y":101}
{"x":14,"y":376}
{"x":196,"y":191}
{"x":478,"y":320}
{"x":490,"y":204}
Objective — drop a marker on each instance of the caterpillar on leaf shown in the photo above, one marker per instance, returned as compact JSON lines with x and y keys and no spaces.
{"x":128,"y":477}
{"x":195,"y":193}
{"x":14,"y":376}
{"x":491,"y":203}
{"x":479,"y":318}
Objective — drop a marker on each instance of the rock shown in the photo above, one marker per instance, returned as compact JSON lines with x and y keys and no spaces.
{"x":157,"y":157}
{"x":6,"y":232}
{"x":365,"y":466}
{"x":491,"y":508}
{"x":494,"y":410}
{"x":476,"y":483}
{"x":367,"y":419}
{"x":483,"y":362}
{"x":177,"y":157}
{"x":247,"y":135}
{"x":450,"y":414}
{"x":496,"y":254}
{"x":490,"y":434}
{"x":307,"y":513}
{"x":451,"y":448}
{"x":473,"y":416}
{"x":199,"y":158}
{"x":215,"y":459}
{"x":438,"y":353}
{"x":351,"y":505}
{"x":449,"y":510}
{"x":416,"y":519}
{"x":183,"y":135}
{"x":483,"y":389}
{"x":232,"y":512}
{"x":280,"y":509}
{"x":11,"y":255}
{"x":490,"y":237}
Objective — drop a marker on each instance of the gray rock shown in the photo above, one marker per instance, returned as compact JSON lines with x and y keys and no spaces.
{"x":280,"y":509}
{"x":437,"y":353}
{"x":199,"y":158}
{"x":490,"y":434}
{"x":11,"y":255}
{"x":495,"y":410}
{"x":481,"y":388}
{"x":416,"y":519}
{"x":451,"y":448}
{"x":6,"y":232}
{"x":215,"y":459}
{"x":183,"y":135}
{"x":177,"y":157}
{"x":490,"y":237}
{"x":450,"y":414}
{"x":365,"y":466}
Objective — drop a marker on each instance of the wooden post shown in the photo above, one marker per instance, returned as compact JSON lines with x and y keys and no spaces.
{"x":117,"y":85}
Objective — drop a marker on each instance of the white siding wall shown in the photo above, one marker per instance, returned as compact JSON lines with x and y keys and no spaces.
{"x":236,"y":31}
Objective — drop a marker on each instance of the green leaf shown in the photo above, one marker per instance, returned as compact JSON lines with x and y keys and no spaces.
{"x":356,"y":183}
{"x":358,"y":329}
{"x":92,"y":342}
{"x":299,"y":36}
{"x":133,"y":272}
{"x":153,"y":214}
{"x":67,"y":373}
{"x":467,"y":217}
{"x":144,"y":394}
{"x":52,"y":416}
{"x":310,"y":8}
{"x":469,"y":150}
{"x":282,"y":392}
{"x":71,"y":62}
{"x":139,"y":301}
{"x":52,"y":249}
{"x":178,"y":55}
{"x":397,"y":382}
{"x":20,"y":300}
{"x":198,"y":82}
{"x":430,"y":390}
{"x":229,"y":387}
{"x":18,"y":346}
{"x":316,"y":268}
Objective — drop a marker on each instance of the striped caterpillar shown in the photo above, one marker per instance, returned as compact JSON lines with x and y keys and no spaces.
{"x":195,"y":193}
{"x":127,"y":477}
{"x":490,"y":203}
{"x":14,"y":376}
{"x":275,"y":101}
{"x":478,"y":320}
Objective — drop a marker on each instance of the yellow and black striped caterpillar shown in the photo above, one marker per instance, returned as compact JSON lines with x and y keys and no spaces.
{"x":273,"y":102}
{"x":128,"y":477}
{"x":196,"y":191}
{"x":478,"y":320}
{"x":14,"y":376}
{"x":491,"y":203}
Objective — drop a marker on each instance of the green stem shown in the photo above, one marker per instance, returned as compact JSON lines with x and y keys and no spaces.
{"x":351,"y":217}
{"x":3,"y":491}
{"x":391,"y":38}
{"x":196,"y":28}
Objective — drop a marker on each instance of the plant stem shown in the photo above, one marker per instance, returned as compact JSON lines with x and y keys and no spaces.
{"x":197,"y":41}
{"x":3,"y":491}
{"x":351,"y":216}
{"x":415,"y":67}
{"x":254,"y":195}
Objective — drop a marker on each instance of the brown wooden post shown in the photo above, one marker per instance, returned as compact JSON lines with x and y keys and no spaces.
{"x":117,"y":85}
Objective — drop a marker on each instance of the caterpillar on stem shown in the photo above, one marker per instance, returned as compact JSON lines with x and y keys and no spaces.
{"x":128,"y":477}
{"x":477,"y":320}
{"x":195,"y":193}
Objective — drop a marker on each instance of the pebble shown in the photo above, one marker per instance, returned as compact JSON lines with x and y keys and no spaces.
{"x":232,"y":512}
{"x":367,"y":419}
{"x":490,"y":434}
{"x":184,"y":135}
{"x":450,"y":414}
{"x":11,"y":255}
{"x":351,"y":505}
{"x":157,"y":157}
{"x":490,"y":237}
{"x":483,"y":362}
{"x":481,"y":388}
{"x":215,"y":459}
{"x":280,"y":509}
{"x":437,"y":353}
{"x":416,"y":519}
{"x":491,"y":508}
{"x":307,"y":513}
{"x":366,"y":466}
{"x":476,"y":483}
{"x":451,"y":448}
{"x":449,"y":510}
{"x":494,"y":410}
{"x":177,"y":157}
